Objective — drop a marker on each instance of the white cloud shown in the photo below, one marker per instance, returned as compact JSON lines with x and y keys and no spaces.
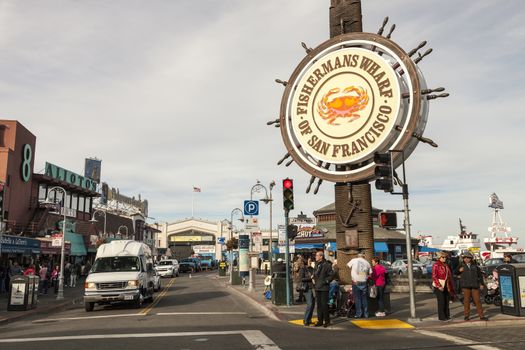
{"x":171,"y":94}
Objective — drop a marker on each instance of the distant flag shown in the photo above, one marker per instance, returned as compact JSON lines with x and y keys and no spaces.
{"x":196,"y":189}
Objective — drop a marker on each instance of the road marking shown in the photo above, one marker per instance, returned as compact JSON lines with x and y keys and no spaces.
{"x":255,"y":337}
{"x":456,"y":340}
{"x":301,"y":321}
{"x":83,"y":318}
{"x":382,"y":324}
{"x":199,"y":313}
{"x":147,"y":309}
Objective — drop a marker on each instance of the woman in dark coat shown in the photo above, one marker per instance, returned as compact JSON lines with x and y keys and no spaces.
{"x":306,"y":273}
{"x":471,"y":283}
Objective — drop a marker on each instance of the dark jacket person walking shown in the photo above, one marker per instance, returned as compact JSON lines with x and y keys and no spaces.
{"x":471,"y":282}
{"x":323,"y":275}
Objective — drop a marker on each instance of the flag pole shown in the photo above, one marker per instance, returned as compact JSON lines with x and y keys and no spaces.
{"x":192,"y":195}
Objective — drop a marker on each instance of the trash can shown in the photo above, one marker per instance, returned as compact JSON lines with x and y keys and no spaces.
{"x":512,"y":288}
{"x":36,"y":284}
{"x":19,"y":296}
{"x":236,"y":278}
{"x":279,"y":288}
{"x":222,"y":268}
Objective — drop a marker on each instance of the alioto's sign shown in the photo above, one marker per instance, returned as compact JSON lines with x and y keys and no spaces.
{"x":352,"y":96}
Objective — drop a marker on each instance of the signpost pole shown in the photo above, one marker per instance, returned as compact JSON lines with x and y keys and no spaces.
{"x":287,"y":259}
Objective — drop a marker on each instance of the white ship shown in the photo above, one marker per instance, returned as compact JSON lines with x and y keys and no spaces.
{"x":500,"y":241}
{"x":463,"y":241}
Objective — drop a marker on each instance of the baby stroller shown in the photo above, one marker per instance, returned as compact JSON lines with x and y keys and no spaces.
{"x":345,"y":306}
{"x":492,"y":295}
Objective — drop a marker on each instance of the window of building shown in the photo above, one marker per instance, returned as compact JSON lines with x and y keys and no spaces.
{"x":74,"y":201}
{"x":59,"y":197}
{"x":88,"y":204}
{"x":42,"y":193}
{"x":81,"y":203}
{"x":68,"y":200}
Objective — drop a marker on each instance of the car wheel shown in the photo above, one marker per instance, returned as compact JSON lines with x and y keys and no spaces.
{"x":177,"y":275}
{"x":138,"y":303}
{"x":89,"y":306}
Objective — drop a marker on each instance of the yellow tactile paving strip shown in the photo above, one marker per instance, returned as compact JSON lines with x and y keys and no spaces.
{"x":382,"y":324}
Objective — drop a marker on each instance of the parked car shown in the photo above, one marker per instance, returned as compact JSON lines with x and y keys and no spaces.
{"x":206,"y":264}
{"x":187,"y":265}
{"x":168,"y":267}
{"x":490,"y":265}
{"x":400,"y":266}
{"x":429,"y":266}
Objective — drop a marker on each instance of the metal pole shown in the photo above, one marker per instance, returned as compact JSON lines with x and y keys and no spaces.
{"x":287,"y":259}
{"x":60,"y":294}
{"x":409,"y":256}
{"x":270,"y":253}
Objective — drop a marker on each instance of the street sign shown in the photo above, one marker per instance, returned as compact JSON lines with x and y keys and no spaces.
{"x":252,"y":225}
{"x":221,"y":240}
{"x":251,"y":207}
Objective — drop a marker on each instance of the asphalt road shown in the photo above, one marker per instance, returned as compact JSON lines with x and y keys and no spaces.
{"x":198,"y":313}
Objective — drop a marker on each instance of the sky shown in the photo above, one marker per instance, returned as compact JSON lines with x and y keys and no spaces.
{"x":176,"y":94}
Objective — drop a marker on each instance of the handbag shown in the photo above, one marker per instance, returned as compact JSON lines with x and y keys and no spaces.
{"x":303,"y":287}
{"x":373,"y":291}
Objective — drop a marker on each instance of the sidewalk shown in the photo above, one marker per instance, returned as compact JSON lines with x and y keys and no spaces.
{"x":400,"y":303}
{"x":47,"y":303}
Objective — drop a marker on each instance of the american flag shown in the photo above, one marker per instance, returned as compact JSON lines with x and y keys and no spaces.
{"x":196,"y":189}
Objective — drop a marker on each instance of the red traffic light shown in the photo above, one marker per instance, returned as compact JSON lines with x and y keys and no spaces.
{"x":287,"y":184}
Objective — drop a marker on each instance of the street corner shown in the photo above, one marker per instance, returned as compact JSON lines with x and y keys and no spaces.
{"x":382,"y":324}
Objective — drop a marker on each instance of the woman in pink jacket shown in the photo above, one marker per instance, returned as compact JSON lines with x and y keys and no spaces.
{"x":378,"y":276}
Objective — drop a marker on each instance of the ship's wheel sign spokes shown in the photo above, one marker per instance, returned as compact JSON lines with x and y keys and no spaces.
{"x":352,"y":96}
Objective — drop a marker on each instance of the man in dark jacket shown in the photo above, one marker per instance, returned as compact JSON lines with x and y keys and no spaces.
{"x":323,"y":275}
{"x":471,"y":282}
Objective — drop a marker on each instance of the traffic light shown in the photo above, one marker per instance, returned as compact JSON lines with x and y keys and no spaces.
{"x":288,"y":194}
{"x":384,"y":171}
{"x":387,"y":219}
{"x":292,"y":231}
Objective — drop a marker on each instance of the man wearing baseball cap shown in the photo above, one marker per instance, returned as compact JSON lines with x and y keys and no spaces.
{"x":471,"y":283}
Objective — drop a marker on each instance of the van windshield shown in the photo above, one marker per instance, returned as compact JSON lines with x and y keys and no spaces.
{"x":116,"y":263}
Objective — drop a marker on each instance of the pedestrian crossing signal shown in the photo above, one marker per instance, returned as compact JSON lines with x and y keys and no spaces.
{"x":388,"y":219}
{"x":292,"y":231}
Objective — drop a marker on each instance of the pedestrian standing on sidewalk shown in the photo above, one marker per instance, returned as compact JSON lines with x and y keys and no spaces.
{"x":30,"y":271}
{"x":54,"y":278}
{"x":360,"y":272}
{"x":471,"y":284}
{"x":322,"y":277}
{"x":307,"y":273}
{"x":378,"y":276}
{"x":443,"y":286}
{"x":44,"y":281}
{"x":297,"y":265}
{"x":3,"y":278}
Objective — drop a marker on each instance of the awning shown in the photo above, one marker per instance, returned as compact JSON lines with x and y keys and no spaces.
{"x":424,"y":249}
{"x":309,"y":246}
{"x":380,"y":247}
{"x":78,"y":247}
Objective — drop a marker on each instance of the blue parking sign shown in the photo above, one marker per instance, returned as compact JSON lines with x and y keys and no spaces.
{"x":251,"y":207}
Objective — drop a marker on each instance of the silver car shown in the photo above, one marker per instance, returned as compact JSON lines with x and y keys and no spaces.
{"x":400,"y":267}
{"x":167,"y":268}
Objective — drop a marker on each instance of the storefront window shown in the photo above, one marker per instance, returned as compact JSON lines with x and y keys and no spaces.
{"x":59,"y":197}
{"x":81,"y":200}
{"x":88,"y":204}
{"x":42,"y":193}
{"x":74,"y":204}
{"x":68,"y":200}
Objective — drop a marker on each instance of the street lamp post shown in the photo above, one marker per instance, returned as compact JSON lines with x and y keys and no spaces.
{"x":270,"y":200}
{"x":60,"y":294}
{"x":118,"y":230}
{"x":231,"y":237}
{"x":266,"y":199}
{"x":95,"y":220}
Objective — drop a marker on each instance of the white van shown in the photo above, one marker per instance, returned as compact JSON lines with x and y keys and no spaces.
{"x":122,"y":272}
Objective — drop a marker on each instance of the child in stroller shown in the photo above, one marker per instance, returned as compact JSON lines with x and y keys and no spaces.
{"x":344,"y":305}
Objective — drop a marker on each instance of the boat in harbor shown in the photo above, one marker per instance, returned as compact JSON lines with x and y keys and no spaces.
{"x":461,"y":242}
{"x":500,"y":240}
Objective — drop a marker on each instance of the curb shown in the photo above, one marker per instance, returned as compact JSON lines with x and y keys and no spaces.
{"x":49,"y":309}
{"x":267,"y":311}
{"x":474,"y":323}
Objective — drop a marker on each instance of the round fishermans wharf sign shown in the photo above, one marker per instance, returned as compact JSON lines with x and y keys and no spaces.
{"x":352,"y":96}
